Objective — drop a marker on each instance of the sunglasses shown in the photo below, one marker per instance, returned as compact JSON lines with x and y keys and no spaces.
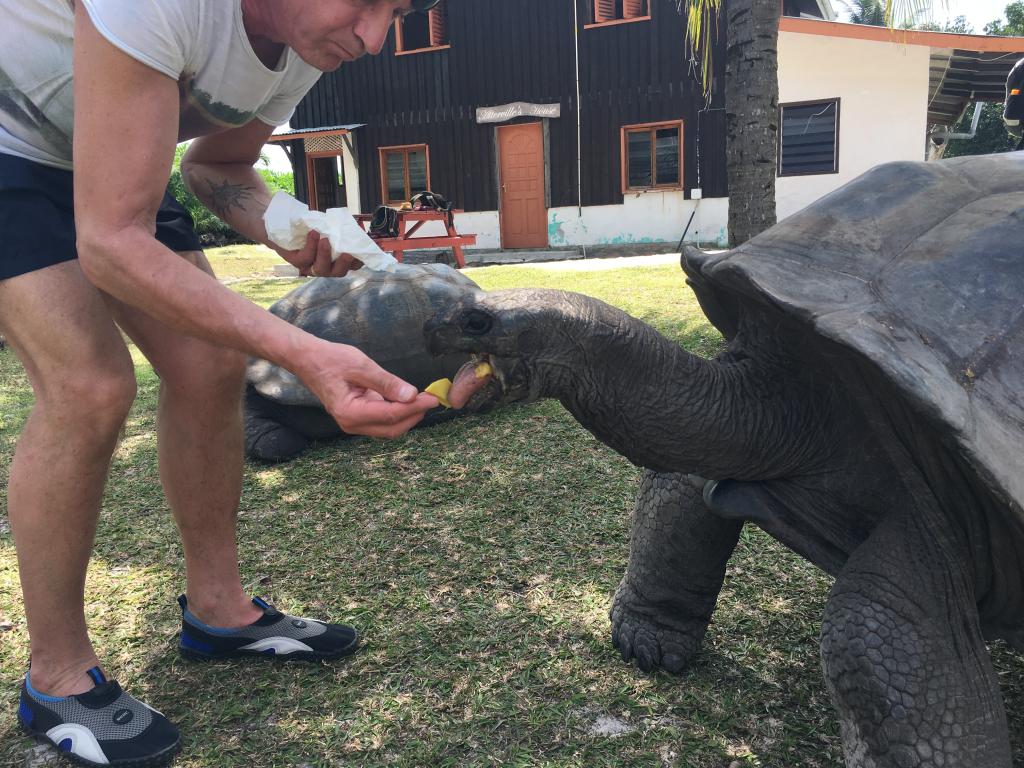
{"x":422,"y":6}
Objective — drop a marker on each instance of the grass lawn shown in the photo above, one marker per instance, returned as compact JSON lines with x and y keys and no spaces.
{"x":236,"y":262}
{"x":478,"y":558}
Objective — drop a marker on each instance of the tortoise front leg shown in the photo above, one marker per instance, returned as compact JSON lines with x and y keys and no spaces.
{"x":677,"y":560}
{"x":266,"y":437}
{"x":904,"y":656}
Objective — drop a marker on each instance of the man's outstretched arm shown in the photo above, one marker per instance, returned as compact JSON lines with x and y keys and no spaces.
{"x":126,"y":128}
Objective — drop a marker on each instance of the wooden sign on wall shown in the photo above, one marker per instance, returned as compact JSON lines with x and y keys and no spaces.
{"x":508,"y":112}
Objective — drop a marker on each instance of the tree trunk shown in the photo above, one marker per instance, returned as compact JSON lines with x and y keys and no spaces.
{"x":752,"y":115}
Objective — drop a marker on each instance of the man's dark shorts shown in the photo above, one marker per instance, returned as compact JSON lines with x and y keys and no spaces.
{"x":37,"y":218}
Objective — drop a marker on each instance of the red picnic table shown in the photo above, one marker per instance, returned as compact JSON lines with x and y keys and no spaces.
{"x":409,"y":222}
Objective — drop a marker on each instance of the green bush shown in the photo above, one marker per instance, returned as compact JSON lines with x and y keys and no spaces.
{"x":210,"y":228}
{"x":278,"y":182}
{"x":992,"y":136}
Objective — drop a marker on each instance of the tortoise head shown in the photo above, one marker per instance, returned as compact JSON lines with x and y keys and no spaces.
{"x":519,"y":333}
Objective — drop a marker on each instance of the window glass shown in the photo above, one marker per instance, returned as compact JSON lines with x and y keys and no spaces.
{"x":396,"y":176}
{"x":638,"y":151}
{"x":417,"y":171}
{"x":808,"y":142}
{"x":667,"y":155}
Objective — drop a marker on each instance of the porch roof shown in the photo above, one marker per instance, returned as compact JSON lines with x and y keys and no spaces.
{"x":309,"y":133}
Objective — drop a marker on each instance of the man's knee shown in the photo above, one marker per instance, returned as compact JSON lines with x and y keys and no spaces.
{"x":97,"y":402}
{"x":209,"y":373}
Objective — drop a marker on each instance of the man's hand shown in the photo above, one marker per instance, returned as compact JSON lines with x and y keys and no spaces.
{"x":360,"y":395}
{"x":218,"y":168}
{"x":315,"y":259}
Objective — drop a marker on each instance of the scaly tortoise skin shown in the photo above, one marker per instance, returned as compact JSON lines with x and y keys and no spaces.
{"x":868,"y":412}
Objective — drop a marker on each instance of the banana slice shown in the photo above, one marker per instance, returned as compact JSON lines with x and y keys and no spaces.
{"x":440,"y":390}
{"x":484,"y":370}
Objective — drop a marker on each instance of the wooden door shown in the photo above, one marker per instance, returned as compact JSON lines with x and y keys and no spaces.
{"x":524,"y":216}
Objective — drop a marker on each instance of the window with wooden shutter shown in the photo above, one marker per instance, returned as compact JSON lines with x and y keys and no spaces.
{"x":619,"y":11}
{"x":604,"y":10}
{"x":632,"y":9}
{"x":809,"y":138}
{"x":652,"y":156}
{"x":404,"y":171}
{"x":420,"y":32}
{"x":438,"y":27}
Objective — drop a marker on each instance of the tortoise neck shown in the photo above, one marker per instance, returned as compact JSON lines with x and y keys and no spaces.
{"x":668,"y":410}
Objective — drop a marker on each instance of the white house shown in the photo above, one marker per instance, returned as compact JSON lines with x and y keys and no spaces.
{"x":855,"y":96}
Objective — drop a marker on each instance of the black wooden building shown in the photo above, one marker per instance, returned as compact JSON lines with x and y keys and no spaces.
{"x":519,"y":109}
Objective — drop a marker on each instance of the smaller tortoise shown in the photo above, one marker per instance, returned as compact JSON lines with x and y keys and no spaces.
{"x":380,"y":313}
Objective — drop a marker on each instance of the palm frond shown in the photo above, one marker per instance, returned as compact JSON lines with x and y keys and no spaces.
{"x":701,"y":25}
{"x":899,"y":12}
{"x":870,"y":12}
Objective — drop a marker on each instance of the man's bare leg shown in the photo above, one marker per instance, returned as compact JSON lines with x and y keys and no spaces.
{"x":201,"y":445}
{"x":84,"y":383}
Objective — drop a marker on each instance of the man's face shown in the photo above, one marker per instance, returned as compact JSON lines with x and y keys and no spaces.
{"x":327,"y":33}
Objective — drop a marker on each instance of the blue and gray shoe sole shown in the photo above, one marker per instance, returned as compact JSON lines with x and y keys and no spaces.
{"x":197,"y":650}
{"x":158,"y":760}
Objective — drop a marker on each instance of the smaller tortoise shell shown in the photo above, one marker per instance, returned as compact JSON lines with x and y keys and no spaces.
{"x":380,"y":313}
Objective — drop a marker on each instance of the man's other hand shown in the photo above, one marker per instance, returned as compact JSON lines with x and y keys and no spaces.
{"x":315,"y":259}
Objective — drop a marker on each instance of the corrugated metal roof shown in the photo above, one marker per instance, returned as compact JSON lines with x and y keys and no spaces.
{"x":296,"y":133}
{"x":960,"y":77}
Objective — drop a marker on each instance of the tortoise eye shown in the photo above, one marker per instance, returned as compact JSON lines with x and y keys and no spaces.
{"x":477,"y":323}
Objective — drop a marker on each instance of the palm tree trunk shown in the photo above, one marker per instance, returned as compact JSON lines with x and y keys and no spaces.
{"x":752,"y":115}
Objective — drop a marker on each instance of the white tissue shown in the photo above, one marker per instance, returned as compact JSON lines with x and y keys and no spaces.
{"x":289,"y":223}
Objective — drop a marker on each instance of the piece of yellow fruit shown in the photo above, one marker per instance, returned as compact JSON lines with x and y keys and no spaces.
{"x":484,"y":370}
{"x":440,"y":390}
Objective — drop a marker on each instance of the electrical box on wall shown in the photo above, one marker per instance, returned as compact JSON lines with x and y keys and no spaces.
{"x":696,"y":194}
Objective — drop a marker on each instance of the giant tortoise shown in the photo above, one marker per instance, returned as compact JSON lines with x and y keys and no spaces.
{"x":382,"y":314}
{"x":868,"y":412}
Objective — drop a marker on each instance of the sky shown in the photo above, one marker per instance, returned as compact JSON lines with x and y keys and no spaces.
{"x":275,"y":155}
{"x":978,"y":12}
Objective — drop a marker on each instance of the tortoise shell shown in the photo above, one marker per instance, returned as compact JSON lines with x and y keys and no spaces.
{"x":917,"y":270}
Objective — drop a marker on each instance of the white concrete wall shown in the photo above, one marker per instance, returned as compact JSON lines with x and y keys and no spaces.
{"x":354,"y":200}
{"x":485,"y":225}
{"x":649,"y":217}
{"x":883,"y":89}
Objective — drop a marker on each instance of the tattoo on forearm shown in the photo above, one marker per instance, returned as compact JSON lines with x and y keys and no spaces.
{"x":223,"y":198}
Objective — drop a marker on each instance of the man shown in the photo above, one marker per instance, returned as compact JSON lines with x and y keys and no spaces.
{"x":147,"y":75}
